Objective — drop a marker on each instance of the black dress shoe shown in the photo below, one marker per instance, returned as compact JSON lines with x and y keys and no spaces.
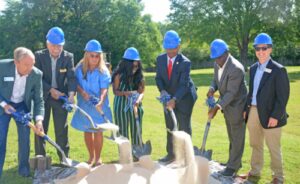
{"x":228,"y":172}
{"x":167,"y":159}
{"x":223,"y":164}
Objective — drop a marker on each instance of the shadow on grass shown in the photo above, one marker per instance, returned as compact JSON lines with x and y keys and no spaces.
{"x":11,"y":176}
{"x":294,"y":76}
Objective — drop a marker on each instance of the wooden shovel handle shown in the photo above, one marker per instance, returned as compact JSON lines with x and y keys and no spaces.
{"x":42,"y":134}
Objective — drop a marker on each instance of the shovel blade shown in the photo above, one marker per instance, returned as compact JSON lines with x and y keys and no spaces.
{"x":108,"y":126}
{"x":139,"y":151}
{"x":69,"y":162}
{"x":118,"y":139}
{"x":203,"y":153}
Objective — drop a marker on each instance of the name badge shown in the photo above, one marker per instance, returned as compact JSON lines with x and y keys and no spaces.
{"x":268,"y":70}
{"x":63,"y":70}
{"x":9,"y":79}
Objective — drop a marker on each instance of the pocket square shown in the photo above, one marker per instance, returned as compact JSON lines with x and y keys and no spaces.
{"x":63,"y":70}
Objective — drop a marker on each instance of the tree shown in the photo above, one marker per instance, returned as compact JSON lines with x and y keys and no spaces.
{"x":117,"y":24}
{"x":235,"y":21}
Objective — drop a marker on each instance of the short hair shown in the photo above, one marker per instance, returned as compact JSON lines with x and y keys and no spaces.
{"x":21,"y":52}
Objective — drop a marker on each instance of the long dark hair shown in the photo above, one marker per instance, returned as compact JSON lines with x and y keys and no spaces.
{"x":125,"y":68}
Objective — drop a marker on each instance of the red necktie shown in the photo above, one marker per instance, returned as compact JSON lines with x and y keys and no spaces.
{"x":169,"y":69}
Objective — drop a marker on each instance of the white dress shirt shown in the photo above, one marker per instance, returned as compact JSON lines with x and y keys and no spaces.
{"x":221,"y":69}
{"x":172,"y":59}
{"x":19,"y":88}
{"x":19,"y":92}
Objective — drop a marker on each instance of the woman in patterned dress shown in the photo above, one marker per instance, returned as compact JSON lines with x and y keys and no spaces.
{"x":128,"y":79}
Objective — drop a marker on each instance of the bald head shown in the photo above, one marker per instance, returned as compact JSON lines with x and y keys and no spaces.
{"x":24,"y":60}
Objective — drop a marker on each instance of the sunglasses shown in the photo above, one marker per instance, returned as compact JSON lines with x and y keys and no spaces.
{"x":261,"y":48}
{"x":94,"y":55}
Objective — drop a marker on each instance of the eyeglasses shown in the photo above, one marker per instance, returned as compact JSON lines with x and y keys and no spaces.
{"x":94,"y":55}
{"x":261,"y":48}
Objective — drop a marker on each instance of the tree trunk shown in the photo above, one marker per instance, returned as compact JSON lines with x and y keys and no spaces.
{"x":244,"y":53}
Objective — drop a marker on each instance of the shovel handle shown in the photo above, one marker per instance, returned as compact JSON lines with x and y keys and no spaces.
{"x":103,"y":115}
{"x":137,"y":121}
{"x":205,"y":135}
{"x":86,"y":115}
{"x":42,"y":134}
{"x":174,"y":119}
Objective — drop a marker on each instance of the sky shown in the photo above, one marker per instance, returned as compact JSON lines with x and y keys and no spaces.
{"x":158,"y":9}
{"x":2,"y":5}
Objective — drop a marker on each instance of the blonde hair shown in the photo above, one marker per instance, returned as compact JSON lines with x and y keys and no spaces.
{"x":85,"y":64}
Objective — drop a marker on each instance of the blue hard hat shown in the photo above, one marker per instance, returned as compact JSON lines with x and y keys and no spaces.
{"x":56,"y":36}
{"x":132,"y":54}
{"x":217,"y":48}
{"x":262,"y":38}
{"x":171,"y":40}
{"x":93,"y":46}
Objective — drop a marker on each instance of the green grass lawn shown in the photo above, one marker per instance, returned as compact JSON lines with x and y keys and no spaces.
{"x":154,"y":129}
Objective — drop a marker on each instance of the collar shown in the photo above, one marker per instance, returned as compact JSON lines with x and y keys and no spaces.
{"x":18,"y":75}
{"x":55,"y":59}
{"x":172,"y":59}
{"x":224,"y":63}
{"x":264,"y":65}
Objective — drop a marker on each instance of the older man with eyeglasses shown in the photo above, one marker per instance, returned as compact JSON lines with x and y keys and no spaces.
{"x":59,"y":79}
{"x":266,"y":108}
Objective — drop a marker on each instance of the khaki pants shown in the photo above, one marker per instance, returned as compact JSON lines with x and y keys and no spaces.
{"x":272,"y":137}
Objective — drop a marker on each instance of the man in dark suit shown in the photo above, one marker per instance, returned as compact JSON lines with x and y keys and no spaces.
{"x":269,"y":91}
{"x":229,"y":80}
{"x":173,"y":78}
{"x":21,"y":83}
{"x":58,"y":80}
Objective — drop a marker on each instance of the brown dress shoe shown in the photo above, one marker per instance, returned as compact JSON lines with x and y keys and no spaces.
{"x":276,"y":181}
{"x":248,"y":175}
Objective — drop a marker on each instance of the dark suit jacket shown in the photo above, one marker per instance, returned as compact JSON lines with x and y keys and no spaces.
{"x":272,"y":95}
{"x":232,"y":87}
{"x":181,"y":85}
{"x":65,"y":72}
{"x":33,"y":88}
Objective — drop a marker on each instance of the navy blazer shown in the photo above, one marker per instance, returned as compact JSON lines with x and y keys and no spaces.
{"x":180,"y":85}
{"x":65,"y":72}
{"x":272,"y":95}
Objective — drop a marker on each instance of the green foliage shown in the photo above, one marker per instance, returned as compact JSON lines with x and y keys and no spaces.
{"x":237,"y":22}
{"x":116,"y":24}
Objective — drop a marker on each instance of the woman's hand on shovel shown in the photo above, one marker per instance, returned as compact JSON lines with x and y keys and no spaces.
{"x":99,"y":106}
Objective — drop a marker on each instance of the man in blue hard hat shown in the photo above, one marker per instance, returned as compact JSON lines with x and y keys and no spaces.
{"x":229,"y":80}
{"x":265,"y":111}
{"x":59,"y":79}
{"x":173,"y":78}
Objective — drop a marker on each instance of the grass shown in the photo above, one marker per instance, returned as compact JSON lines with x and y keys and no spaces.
{"x":154,"y":130}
